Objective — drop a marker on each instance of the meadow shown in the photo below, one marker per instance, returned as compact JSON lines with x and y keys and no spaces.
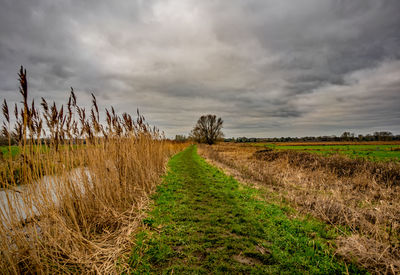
{"x":373,"y":151}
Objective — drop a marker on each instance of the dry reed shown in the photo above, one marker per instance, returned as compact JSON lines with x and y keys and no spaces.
{"x":73,"y":196}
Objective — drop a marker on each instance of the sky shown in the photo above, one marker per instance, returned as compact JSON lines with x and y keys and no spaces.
{"x":269,"y":68}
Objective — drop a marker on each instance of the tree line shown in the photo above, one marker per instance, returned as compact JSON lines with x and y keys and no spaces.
{"x":208,"y":130}
{"x":346,"y":136}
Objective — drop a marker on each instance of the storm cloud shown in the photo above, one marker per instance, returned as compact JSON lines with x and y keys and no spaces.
{"x":268,"y":68}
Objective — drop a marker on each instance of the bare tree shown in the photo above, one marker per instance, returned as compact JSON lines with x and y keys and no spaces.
{"x":207,"y":129}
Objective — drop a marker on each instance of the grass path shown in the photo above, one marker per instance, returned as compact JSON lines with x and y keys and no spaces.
{"x":203,"y":221}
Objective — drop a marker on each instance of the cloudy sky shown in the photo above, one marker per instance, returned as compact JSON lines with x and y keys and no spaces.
{"x":268,"y":68}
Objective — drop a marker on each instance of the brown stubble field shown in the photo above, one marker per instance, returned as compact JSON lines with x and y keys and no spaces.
{"x":358,"y":197}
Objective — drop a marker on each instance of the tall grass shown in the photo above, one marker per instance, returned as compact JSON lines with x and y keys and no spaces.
{"x":72,"y":197}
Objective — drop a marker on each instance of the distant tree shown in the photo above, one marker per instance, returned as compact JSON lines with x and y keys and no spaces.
{"x":345,"y":136}
{"x":180,"y":138}
{"x":383,"y":136}
{"x":207,"y":129}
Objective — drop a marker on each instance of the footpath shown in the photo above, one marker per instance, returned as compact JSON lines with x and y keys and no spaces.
{"x":203,"y":221}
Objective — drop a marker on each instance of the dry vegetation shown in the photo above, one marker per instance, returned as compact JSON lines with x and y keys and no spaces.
{"x":358,"y":195}
{"x":70,"y":202}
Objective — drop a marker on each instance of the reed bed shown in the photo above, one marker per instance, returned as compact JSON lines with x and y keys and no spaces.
{"x":73,"y":197}
{"x":359,"y":198}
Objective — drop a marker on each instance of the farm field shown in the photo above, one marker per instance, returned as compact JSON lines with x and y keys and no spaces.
{"x":376,"y":151}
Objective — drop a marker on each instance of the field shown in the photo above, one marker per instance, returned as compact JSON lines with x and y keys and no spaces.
{"x":5,"y":150}
{"x":284,"y":211}
{"x":16,"y":150}
{"x":353,"y":195}
{"x":374,"y":151}
{"x":120,"y":198}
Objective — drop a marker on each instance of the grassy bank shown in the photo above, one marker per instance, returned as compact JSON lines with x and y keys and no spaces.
{"x":204,"y":221}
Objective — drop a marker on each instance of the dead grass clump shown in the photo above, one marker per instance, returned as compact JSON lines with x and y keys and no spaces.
{"x":366,"y":250}
{"x":72,"y":198}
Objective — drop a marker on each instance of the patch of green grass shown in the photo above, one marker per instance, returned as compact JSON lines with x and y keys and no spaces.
{"x":5,"y":150}
{"x":370,"y":152}
{"x":16,"y":176}
{"x":206,"y":222}
{"x":16,"y":150}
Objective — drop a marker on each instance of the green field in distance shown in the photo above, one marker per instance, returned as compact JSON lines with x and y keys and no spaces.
{"x":374,"y":152}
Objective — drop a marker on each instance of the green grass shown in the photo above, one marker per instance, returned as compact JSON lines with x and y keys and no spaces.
{"x":370,"y":152}
{"x":5,"y":150}
{"x":203,"y":221}
{"x":16,"y":150}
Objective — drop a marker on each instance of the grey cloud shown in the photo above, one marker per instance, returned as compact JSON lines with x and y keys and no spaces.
{"x":269,"y":68}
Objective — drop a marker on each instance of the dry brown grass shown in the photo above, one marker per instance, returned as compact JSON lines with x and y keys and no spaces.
{"x":80,"y":195}
{"x":360,"y":195}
